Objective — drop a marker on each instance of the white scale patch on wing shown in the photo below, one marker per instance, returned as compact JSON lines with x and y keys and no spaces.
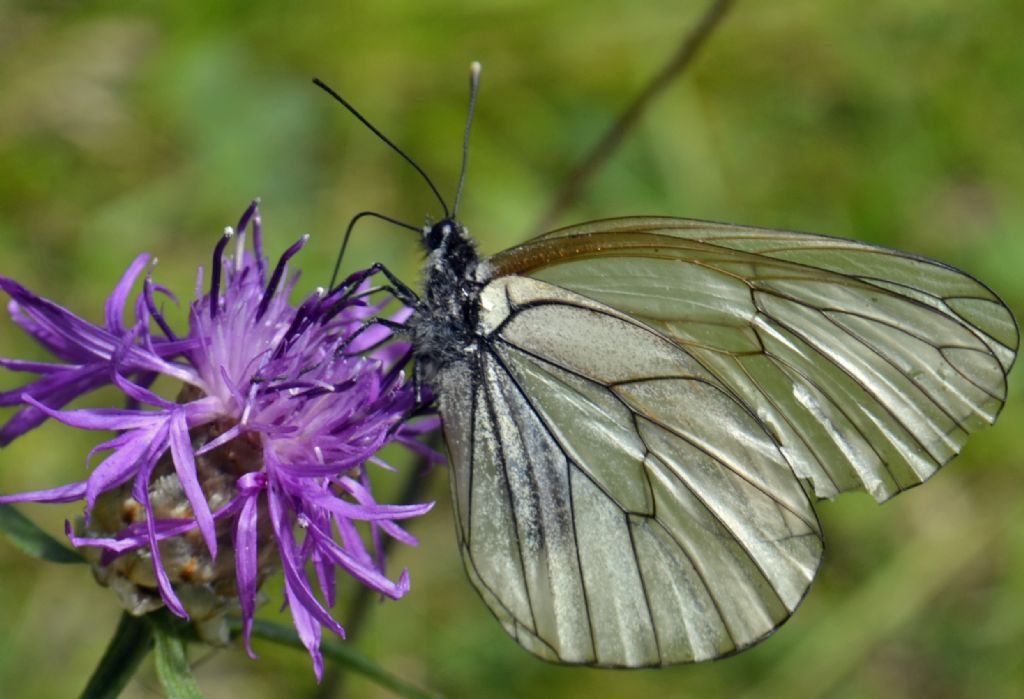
{"x":618,"y":506}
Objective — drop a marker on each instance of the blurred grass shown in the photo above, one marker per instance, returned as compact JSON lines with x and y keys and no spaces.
{"x":151,"y":128}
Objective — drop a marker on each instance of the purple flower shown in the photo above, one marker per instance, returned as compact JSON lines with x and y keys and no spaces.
{"x":259,"y":463}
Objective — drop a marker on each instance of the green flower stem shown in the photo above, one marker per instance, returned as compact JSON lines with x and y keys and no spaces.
{"x":172,"y":666}
{"x":339,"y":652}
{"x":132,"y":641}
{"x":30,"y":539}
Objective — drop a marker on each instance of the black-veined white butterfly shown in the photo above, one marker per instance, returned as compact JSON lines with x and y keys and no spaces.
{"x":640,"y":411}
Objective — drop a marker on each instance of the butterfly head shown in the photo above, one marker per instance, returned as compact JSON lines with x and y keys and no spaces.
{"x":451,"y":253}
{"x":444,"y":235}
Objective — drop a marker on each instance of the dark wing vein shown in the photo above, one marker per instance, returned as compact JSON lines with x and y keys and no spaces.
{"x":626,"y":263}
{"x":683,"y":548}
{"x":824,"y":313}
{"x":510,"y":496}
{"x":821,"y":351}
{"x":739,"y":404}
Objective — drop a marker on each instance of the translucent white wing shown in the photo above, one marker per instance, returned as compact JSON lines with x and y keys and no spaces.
{"x":616,"y":504}
{"x":870,"y":366}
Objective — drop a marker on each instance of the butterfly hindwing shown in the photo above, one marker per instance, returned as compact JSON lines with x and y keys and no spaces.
{"x":870,"y":366}
{"x":617,"y":505}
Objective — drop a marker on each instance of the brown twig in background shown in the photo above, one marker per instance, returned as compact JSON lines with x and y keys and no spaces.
{"x":589,"y":166}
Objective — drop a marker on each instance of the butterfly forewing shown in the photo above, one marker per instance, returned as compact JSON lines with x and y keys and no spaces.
{"x":617,"y":504}
{"x":869,"y":366}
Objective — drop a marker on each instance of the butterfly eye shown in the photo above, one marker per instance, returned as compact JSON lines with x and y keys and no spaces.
{"x":435,"y":237}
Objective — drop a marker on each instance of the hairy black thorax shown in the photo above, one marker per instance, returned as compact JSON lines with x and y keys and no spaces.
{"x":444,"y":324}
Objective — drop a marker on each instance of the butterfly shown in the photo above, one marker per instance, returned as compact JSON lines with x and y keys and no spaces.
{"x":640,"y":412}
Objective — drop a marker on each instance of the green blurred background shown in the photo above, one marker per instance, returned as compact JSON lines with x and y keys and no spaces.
{"x":900,"y":123}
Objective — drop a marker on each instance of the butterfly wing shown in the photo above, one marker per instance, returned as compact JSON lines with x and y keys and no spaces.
{"x":870,"y":366}
{"x":617,"y":505}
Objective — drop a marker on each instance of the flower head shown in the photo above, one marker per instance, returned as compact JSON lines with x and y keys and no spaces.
{"x":259,"y":463}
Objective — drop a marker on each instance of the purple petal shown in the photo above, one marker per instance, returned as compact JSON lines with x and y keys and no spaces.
{"x":119,"y":298}
{"x":64,"y":384}
{"x":368,"y":575}
{"x":420,"y":427}
{"x":64,"y":493}
{"x":375,"y":529}
{"x":149,"y":291}
{"x":136,"y":535}
{"x":54,"y":342}
{"x":369,"y":338}
{"x":257,"y":245}
{"x":363,"y":495}
{"x":381,"y":463}
{"x":246,"y":566}
{"x":397,"y":533}
{"x":121,"y":465}
{"x":137,"y":392}
{"x":56,"y":391}
{"x":325,"y":576}
{"x":402,"y":315}
{"x":307,"y":627}
{"x":351,"y":540}
{"x":294,"y":577}
{"x":425,"y":450}
{"x":368,"y":512}
{"x":163,"y":582}
{"x":185,"y":466}
{"x":224,"y":438}
{"x":140,"y":491}
{"x":319,"y":470}
{"x":64,"y":333}
{"x":392,"y":354}
{"x":33,"y":367}
{"x":101,"y":418}
{"x":114,"y":443}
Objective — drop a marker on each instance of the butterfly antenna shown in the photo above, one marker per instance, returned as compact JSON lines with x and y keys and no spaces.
{"x":348,"y":234}
{"x":474,"y":88}
{"x":341,"y":100}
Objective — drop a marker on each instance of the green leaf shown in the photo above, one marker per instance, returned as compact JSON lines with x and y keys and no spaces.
{"x":30,"y":539}
{"x":339,"y":652}
{"x":130,"y":644}
{"x":172,"y":667}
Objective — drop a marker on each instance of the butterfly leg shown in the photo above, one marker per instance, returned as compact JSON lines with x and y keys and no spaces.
{"x":395,"y":328}
{"x":395,"y":286}
{"x":417,"y":385}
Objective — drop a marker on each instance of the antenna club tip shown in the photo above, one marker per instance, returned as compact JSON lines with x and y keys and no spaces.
{"x":475,"y":68}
